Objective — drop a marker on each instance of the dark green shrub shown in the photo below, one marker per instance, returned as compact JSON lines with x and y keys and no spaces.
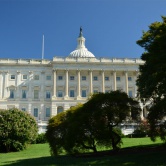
{"x":41,"y":138}
{"x":17,"y":129}
{"x":138,"y":133}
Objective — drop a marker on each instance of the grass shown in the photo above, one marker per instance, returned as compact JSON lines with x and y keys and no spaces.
{"x":38,"y":154}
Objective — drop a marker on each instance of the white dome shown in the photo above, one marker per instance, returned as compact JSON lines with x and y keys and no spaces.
{"x":81,"y":51}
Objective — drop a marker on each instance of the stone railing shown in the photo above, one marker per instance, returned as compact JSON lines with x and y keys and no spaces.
{"x":105,"y":60}
{"x":24,"y":61}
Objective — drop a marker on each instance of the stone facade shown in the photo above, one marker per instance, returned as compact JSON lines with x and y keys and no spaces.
{"x":46,"y":87}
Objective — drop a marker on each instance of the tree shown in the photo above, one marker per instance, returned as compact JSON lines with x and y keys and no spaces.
{"x":156,"y":118}
{"x":107,"y":111}
{"x":152,"y":79}
{"x":65,"y":131}
{"x":17,"y":129}
{"x":94,"y":123}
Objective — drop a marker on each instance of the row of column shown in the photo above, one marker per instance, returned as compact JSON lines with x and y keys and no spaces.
{"x":4,"y":83}
{"x":90,"y":82}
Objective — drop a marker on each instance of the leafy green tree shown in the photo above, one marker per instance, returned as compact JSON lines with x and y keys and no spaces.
{"x":17,"y":129}
{"x":107,"y":111}
{"x":156,"y":118}
{"x":94,"y":123}
{"x":152,"y":79}
{"x":67,"y":131}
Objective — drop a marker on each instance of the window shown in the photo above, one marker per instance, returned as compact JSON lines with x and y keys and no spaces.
{"x":83,"y":93}
{"x":11,"y":93}
{"x":95,"y":78}
{"x":59,"y":109}
{"x":60,"y":94}
{"x":130,"y":93}
{"x":36,"y":77}
{"x":83,"y":78}
{"x":129,"y":78}
{"x":24,"y":77}
{"x":35,"y":112}
{"x":47,"y":112}
{"x":48,"y":77}
{"x":48,"y":95}
{"x":106,"y":78}
{"x":23,"y":109}
{"x":12,"y":77}
{"x":117,"y":78}
{"x":36,"y":94}
{"x":71,"y":93}
{"x":71,"y":78}
{"x":24,"y":95}
{"x":60,"y":77}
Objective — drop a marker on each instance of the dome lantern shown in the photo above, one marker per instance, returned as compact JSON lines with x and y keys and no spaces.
{"x":81,"y":50}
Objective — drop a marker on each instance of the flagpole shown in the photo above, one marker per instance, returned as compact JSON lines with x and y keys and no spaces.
{"x":43,"y":48}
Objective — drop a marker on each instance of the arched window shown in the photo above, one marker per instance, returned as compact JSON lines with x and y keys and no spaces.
{"x":59,"y":109}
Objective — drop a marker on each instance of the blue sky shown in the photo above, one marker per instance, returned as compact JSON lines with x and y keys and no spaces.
{"x":111,"y":27}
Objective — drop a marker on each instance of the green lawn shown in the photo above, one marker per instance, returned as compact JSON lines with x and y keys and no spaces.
{"x":39,"y":155}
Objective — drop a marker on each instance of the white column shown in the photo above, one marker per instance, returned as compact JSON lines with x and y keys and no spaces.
{"x":53,"y":109}
{"x":114,"y":80}
{"x":78,"y":84}
{"x":126,"y":82}
{"x":142,"y":109}
{"x":54,"y":83}
{"x":5,"y":85}
{"x":66,"y":84}
{"x":103,"y":82}
{"x":90,"y":79}
{"x":1,"y":84}
{"x":41,"y":112}
{"x":42,"y":94}
{"x":30,"y":96}
{"x":30,"y":108}
{"x":135,"y":86}
{"x":18,"y":78}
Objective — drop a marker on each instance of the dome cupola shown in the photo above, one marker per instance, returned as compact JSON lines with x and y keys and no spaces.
{"x":81,"y":51}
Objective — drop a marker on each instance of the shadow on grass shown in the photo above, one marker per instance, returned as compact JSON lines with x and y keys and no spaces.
{"x":60,"y":161}
{"x":147,"y":155}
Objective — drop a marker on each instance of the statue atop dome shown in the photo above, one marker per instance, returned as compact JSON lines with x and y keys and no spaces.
{"x":81,"y":51}
{"x":81,"y":34}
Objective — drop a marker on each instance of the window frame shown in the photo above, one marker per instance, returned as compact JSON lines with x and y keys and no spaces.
{"x":60,"y":92}
{"x":72,"y":78}
{"x":83,"y":78}
{"x":48,"y":115}
{"x":118,"y":78}
{"x":12,"y":95}
{"x":72,"y":93}
{"x":95,"y":78}
{"x":36,"y":96}
{"x":60,"y":77}
{"x":24,"y":94}
{"x":36,"y":112}
{"x":12,"y":77}
{"x":129,"y":78}
{"x":24,"y":75}
{"x":82,"y":93}
{"x":106,"y":78}
{"x":48,"y":94}
{"x":48,"y":77}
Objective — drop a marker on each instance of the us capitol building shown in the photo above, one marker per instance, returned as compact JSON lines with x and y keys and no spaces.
{"x":45,"y":88}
